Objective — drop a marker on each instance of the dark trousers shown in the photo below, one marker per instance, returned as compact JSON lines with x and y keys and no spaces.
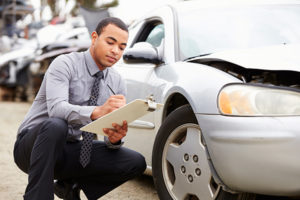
{"x":45,"y":154}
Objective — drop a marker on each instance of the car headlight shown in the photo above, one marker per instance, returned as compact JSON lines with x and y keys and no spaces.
{"x":251,"y":100}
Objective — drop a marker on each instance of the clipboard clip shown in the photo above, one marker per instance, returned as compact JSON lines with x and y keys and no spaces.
{"x":151,"y":104}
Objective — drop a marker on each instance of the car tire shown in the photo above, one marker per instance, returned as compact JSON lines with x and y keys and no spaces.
{"x":179,"y":171}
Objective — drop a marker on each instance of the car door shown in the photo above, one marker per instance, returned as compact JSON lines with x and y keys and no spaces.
{"x":139,"y":82}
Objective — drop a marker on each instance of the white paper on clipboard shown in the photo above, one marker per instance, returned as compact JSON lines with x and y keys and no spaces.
{"x":129,"y":112}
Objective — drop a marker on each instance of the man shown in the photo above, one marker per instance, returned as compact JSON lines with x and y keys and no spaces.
{"x":75,"y":91}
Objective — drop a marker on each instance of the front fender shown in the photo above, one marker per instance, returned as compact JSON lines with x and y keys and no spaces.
{"x":199,"y":84}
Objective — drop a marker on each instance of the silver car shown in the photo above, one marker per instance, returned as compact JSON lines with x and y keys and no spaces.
{"x":228,"y":76}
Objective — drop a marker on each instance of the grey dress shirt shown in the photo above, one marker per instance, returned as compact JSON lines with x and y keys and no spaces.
{"x":66,"y":89}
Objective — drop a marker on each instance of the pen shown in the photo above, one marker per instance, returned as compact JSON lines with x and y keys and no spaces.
{"x":111,"y":89}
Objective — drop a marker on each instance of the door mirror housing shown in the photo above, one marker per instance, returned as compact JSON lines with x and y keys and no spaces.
{"x":142,"y":52}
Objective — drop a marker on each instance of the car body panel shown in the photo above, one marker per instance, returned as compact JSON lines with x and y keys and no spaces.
{"x":260,"y":150}
{"x":202,"y":99}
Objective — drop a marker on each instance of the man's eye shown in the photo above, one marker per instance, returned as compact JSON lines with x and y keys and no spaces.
{"x":109,"y":42}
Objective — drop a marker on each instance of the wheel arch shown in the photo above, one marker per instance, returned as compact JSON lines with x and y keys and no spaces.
{"x":173,"y":102}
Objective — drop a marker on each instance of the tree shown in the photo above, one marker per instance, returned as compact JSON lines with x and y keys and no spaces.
{"x":84,"y":3}
{"x":52,"y":4}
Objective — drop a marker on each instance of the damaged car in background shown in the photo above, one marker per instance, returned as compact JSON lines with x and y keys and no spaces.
{"x":229,"y":78}
{"x":40,"y":64}
{"x":14,"y":66}
{"x":23,"y":67}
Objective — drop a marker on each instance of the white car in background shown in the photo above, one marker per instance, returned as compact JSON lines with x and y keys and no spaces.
{"x":228,"y":76}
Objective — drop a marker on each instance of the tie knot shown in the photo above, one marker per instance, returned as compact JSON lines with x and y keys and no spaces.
{"x":99,"y":75}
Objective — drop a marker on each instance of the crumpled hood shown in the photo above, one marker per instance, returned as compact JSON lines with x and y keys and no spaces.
{"x":282,"y":57}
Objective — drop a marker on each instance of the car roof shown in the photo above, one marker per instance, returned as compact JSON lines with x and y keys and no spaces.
{"x":185,"y":6}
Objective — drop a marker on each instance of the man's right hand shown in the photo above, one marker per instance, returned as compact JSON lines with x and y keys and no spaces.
{"x":112,"y":103}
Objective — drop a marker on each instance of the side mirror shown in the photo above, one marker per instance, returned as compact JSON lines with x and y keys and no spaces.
{"x":142,"y":52}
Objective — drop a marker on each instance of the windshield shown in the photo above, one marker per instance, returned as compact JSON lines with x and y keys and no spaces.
{"x":209,"y":30}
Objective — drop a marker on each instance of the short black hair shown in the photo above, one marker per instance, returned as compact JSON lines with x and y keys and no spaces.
{"x":110,"y":20}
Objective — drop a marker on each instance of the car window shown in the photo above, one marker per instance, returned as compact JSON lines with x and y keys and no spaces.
{"x":152,"y":32}
{"x":156,"y":35}
{"x":133,"y":31}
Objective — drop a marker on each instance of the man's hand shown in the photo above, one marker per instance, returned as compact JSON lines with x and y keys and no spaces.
{"x":116,"y":134}
{"x":112,"y":103}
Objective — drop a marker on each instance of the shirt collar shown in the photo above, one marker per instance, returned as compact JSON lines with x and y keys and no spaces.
{"x":91,"y":65}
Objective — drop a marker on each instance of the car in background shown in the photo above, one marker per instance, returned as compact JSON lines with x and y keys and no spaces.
{"x":40,"y":64}
{"x":228,"y":76}
{"x":23,"y":67}
{"x":14,"y":64}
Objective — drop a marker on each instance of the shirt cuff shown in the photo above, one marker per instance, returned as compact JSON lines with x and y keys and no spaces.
{"x":85,"y":113}
{"x":111,"y":145}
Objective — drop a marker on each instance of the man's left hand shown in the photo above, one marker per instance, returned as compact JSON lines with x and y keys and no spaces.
{"x":117,"y":133}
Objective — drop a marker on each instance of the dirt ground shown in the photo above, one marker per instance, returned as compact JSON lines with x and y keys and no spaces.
{"x":13,"y":181}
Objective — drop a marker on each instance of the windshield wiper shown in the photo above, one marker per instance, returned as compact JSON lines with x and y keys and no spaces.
{"x":206,"y":54}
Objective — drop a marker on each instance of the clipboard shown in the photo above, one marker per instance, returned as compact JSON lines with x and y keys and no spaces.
{"x":130,"y":112}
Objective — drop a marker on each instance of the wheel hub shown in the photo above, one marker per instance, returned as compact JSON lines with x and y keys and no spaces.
{"x":185,"y":166}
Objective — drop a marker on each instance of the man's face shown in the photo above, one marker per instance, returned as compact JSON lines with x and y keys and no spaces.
{"x":108,"y":47}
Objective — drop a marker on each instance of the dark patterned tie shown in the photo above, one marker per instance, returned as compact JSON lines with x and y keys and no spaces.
{"x":85,"y":152}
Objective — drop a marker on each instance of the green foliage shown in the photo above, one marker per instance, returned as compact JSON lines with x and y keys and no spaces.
{"x":52,"y":4}
{"x":114,"y":3}
{"x":91,"y":4}
{"x":85,"y":3}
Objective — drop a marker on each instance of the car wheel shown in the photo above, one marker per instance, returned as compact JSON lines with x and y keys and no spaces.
{"x":180,"y":167}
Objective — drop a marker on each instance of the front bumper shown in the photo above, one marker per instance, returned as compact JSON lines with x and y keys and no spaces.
{"x":255,"y":154}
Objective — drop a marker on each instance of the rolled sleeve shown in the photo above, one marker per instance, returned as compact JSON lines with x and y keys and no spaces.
{"x":85,"y":114}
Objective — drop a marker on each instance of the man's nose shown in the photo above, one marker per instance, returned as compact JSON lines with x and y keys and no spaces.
{"x":115,"y":50}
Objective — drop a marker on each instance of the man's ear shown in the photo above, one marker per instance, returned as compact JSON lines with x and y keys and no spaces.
{"x":94,"y":36}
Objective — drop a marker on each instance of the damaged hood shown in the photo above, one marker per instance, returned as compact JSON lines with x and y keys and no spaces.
{"x":282,"y":57}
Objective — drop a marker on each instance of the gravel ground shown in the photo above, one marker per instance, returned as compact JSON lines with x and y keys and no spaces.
{"x":13,"y":181}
